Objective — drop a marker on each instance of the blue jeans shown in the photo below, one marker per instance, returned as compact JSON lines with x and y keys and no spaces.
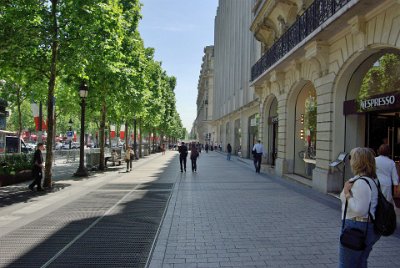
{"x":349,"y":258}
{"x":228,"y":156}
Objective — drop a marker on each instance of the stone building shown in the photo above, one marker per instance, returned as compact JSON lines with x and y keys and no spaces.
{"x":235,"y":106}
{"x":202,"y":125}
{"x":328,"y":77}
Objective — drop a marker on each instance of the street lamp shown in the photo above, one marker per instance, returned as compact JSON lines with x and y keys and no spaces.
{"x":82,"y":171}
{"x":70,"y":129}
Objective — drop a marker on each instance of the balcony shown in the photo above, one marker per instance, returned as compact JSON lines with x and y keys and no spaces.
{"x":317,"y":13}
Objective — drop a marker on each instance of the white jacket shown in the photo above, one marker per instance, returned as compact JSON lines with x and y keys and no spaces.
{"x":386,"y":171}
{"x":361,"y":196}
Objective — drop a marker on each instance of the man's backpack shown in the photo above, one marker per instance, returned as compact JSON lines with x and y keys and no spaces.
{"x":385,"y":216}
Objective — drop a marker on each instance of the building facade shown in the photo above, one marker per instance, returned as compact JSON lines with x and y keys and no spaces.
{"x":202,"y":125}
{"x":328,"y":80}
{"x":235,"y":104}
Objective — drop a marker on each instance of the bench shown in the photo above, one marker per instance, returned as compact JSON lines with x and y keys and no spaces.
{"x":114,"y":159}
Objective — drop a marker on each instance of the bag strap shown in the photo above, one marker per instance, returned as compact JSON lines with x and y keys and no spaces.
{"x":369,"y":207}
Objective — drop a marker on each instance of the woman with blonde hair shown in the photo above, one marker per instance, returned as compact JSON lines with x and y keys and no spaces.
{"x":359,"y":201}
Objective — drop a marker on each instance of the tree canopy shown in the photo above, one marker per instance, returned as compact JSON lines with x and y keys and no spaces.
{"x":50,"y":47}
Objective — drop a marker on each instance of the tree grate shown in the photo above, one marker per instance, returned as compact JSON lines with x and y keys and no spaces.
{"x":122,"y":238}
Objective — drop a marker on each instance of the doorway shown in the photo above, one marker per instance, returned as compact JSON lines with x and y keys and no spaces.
{"x":384,"y":128}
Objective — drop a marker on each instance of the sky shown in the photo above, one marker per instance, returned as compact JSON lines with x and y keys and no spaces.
{"x":179,"y":30}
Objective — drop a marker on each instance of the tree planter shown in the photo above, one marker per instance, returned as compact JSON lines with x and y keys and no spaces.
{"x":21,"y":176}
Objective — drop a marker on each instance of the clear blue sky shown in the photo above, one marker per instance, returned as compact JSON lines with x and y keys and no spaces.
{"x":179,"y":30}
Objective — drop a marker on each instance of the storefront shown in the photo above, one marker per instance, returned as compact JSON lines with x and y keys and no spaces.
{"x":272,"y":133}
{"x":373,"y":112}
{"x":253,"y":132}
{"x":237,"y":142}
{"x":305,"y":132}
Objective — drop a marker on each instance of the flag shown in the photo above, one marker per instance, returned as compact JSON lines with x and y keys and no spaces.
{"x":122,"y":132}
{"x":112,"y":128}
{"x":35,"y":112}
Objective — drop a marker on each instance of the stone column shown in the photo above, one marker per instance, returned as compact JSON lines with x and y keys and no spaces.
{"x":281,"y":163}
{"x":324,"y":179}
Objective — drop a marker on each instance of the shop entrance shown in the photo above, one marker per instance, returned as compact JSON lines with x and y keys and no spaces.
{"x":274,"y":152}
{"x":384,"y":128}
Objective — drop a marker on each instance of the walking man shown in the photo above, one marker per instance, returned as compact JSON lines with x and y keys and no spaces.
{"x":194,"y":154}
{"x":183,"y":152}
{"x":229,"y":150}
{"x":37,"y":169}
{"x":258,"y":152}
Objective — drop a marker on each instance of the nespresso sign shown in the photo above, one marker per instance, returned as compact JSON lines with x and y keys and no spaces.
{"x":387,"y":101}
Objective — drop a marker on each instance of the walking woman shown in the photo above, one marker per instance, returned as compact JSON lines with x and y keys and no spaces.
{"x":193,"y":157}
{"x":386,"y":171}
{"x":128,"y":159}
{"x":360,"y":197}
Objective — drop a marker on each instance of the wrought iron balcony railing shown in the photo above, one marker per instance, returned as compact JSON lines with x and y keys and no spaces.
{"x":318,"y":12}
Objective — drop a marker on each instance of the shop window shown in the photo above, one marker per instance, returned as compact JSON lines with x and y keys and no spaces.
{"x":310,"y":126}
{"x":382,"y":77}
{"x":305,"y":132}
{"x":253,"y":132}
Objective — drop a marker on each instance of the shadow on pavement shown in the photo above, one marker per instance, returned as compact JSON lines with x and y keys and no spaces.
{"x":20,"y":193}
{"x":109,"y":227}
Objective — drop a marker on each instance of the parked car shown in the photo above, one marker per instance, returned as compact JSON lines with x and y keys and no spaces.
{"x":75,"y":145}
{"x":58,"y":146}
{"x":65,"y":146}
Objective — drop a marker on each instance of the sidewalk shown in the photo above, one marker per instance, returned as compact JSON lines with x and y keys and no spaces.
{"x":109,"y":219}
{"x":19,"y":205}
{"x":226,"y":215}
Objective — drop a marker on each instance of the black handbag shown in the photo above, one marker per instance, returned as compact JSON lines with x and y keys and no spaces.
{"x":353,"y":238}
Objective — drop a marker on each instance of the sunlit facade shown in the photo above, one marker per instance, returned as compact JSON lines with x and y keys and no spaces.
{"x":235,"y":104}
{"x":202,"y":125}
{"x":327,"y":75}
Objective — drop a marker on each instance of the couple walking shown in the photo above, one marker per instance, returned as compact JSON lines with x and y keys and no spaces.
{"x":183,"y":153}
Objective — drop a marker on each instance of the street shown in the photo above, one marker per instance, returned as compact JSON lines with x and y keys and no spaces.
{"x":225,"y":215}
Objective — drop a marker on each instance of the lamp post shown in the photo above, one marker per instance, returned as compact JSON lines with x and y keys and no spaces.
{"x":82,"y":171}
{"x":70,"y":129}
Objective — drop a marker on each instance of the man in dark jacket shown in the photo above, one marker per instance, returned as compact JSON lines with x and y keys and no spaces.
{"x":37,"y":168}
{"x":183,"y":152}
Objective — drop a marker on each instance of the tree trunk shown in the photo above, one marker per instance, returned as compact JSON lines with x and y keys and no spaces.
{"x":50,"y":96}
{"x":140,"y":139}
{"x":102,"y":135}
{"x":126,"y":136}
{"x":149,"y":143}
{"x":19,"y":111}
{"x":154,"y":137}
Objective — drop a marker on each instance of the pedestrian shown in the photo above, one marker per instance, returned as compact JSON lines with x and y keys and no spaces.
{"x":229,"y":150}
{"x":386,"y":172}
{"x":258,"y":152}
{"x":37,"y":168}
{"x":361,"y":203}
{"x":128,"y":158}
{"x":194,"y":154}
{"x":163,"y":149}
{"x":206,"y":148}
{"x":183,"y":152}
